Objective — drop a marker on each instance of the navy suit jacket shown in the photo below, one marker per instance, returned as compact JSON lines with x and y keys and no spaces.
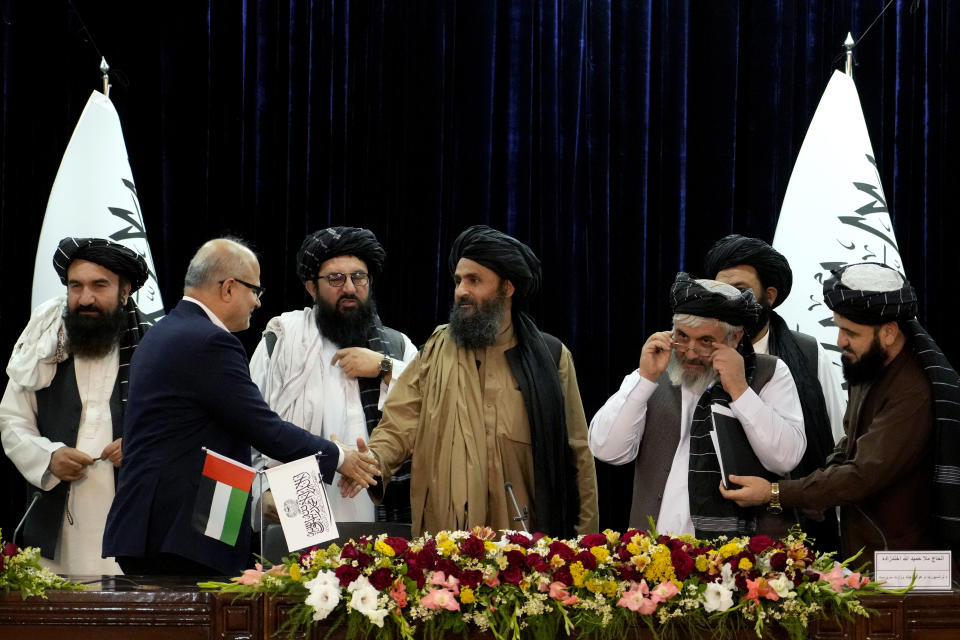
{"x":190,"y":388}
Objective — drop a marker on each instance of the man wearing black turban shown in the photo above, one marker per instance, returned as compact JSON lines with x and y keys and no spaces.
{"x":751,"y":263}
{"x":895,"y":481}
{"x":62,"y":412}
{"x":664,"y":412}
{"x":491,"y":402}
{"x":328,"y":367}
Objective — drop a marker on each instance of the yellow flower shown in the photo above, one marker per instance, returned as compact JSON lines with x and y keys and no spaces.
{"x":661,"y":565}
{"x":593,"y":585}
{"x":613,"y":537}
{"x":745,"y":564}
{"x":295,"y":572}
{"x":610,"y":588}
{"x":466,"y":595}
{"x":556,"y":562}
{"x":384,"y":548}
{"x":600,"y":553}
{"x":578,"y":573}
{"x":729,"y":549}
{"x":447,"y":546}
{"x":489,"y":546}
{"x":634,"y":549}
{"x":701,"y":563}
{"x":641,"y":561}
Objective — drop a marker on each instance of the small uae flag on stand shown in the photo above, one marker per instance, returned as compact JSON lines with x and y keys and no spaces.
{"x":222,"y":497}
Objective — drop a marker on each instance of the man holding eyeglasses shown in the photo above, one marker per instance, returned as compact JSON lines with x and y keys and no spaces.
{"x":329,"y":367}
{"x":190,"y":388}
{"x":660,"y":419}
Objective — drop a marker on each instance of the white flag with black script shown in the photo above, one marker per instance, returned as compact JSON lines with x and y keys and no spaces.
{"x":93,"y":196}
{"x":302,"y":503}
{"x":834,"y":211}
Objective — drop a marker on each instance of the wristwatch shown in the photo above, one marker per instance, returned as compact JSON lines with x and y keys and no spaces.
{"x":774,"y":506}
{"x":386,"y":366}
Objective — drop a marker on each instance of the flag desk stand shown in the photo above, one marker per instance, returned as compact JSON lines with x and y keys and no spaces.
{"x":177,"y":609}
{"x":160,"y":608}
{"x":916,"y":616}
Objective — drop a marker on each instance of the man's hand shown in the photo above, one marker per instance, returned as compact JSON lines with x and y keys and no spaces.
{"x":358,"y":362}
{"x":729,"y":364}
{"x":655,"y":355}
{"x":755,"y":491}
{"x":113,"y":452}
{"x":69,"y":464}
{"x":270,"y":515}
{"x":360,"y":466}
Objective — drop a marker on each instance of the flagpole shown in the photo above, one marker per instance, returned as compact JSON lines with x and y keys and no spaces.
{"x":848,"y":45}
{"x":105,"y":71}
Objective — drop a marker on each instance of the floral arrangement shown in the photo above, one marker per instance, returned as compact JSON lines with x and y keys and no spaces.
{"x":20,"y":570}
{"x":523,"y":585}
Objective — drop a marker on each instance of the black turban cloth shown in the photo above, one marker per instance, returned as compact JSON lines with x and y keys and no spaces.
{"x":320,"y":246}
{"x":869,"y":307}
{"x":900,"y":306}
{"x":507,"y":257}
{"x":122,"y":260}
{"x":556,"y":492}
{"x":773,"y":270}
{"x":689,"y":296}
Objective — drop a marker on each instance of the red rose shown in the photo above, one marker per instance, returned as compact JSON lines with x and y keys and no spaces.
{"x":449,"y":568}
{"x":305,"y":556}
{"x":588,"y":560}
{"x":346,"y":574}
{"x":627,"y":572}
{"x":759,"y":544}
{"x":741,"y":581}
{"x":536,"y":537}
{"x":536,"y":562}
{"x":558,"y":548}
{"x":682,"y":563}
{"x":364,"y":560}
{"x":473,"y":547}
{"x":778,"y":561}
{"x":516,"y":558}
{"x":520,"y":539}
{"x":10,"y":550}
{"x":416,"y":574}
{"x":563,"y":575}
{"x":512,"y":575}
{"x":349,"y":552}
{"x":593,"y":540}
{"x":381,"y":578}
{"x":399,"y":545}
{"x":428,"y":556}
{"x":471,"y":578}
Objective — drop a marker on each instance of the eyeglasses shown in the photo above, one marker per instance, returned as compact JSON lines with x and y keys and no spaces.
{"x":358,"y":278}
{"x":684,"y":343}
{"x":257,"y":289}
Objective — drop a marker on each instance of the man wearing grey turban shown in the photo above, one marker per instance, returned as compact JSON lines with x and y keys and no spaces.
{"x":491,"y":402}
{"x":61,"y":416}
{"x":329,"y":367}
{"x":660,"y":419}
{"x":895,"y":481}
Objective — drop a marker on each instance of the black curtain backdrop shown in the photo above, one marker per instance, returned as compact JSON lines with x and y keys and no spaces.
{"x":618,"y":138}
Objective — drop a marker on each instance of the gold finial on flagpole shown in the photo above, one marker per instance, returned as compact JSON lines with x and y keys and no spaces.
{"x":105,"y":70}
{"x":848,"y":44}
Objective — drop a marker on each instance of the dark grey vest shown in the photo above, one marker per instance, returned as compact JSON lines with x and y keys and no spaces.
{"x":808,"y":347}
{"x":58,"y":418}
{"x":661,"y":437}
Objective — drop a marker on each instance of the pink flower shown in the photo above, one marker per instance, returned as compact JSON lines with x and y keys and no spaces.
{"x":664,"y":591}
{"x":440,"y":599}
{"x":636,"y":599}
{"x":491,"y":580}
{"x":399,"y":593}
{"x":834,"y":577}
{"x":760,"y":588}
{"x":854,"y":580}
{"x":557,"y":592}
{"x":251,"y":577}
{"x":450,"y":582}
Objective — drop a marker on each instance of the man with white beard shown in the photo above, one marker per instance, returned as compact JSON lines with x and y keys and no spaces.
{"x":660,"y":419}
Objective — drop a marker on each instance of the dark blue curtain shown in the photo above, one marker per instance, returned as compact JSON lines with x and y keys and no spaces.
{"x":618,"y":138}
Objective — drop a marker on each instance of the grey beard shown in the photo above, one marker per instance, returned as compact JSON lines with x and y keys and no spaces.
{"x":696,"y":384}
{"x":478,"y":329}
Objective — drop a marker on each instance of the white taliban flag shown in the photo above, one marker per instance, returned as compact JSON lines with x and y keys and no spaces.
{"x":302,"y":504}
{"x":834,"y":212}
{"x":93,"y":196}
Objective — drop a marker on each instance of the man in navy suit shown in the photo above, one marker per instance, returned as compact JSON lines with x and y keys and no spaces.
{"x":190,"y":388}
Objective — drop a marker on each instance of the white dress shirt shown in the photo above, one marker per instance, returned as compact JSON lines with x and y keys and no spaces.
{"x":772,"y":421}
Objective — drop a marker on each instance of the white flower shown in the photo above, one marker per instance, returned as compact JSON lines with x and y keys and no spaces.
{"x":717,"y":597}
{"x":377,"y":616}
{"x":324,"y":598}
{"x":783,"y":586}
{"x":323,"y":578}
{"x":360,"y":583}
{"x":726,"y":575}
{"x":364,"y":599}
